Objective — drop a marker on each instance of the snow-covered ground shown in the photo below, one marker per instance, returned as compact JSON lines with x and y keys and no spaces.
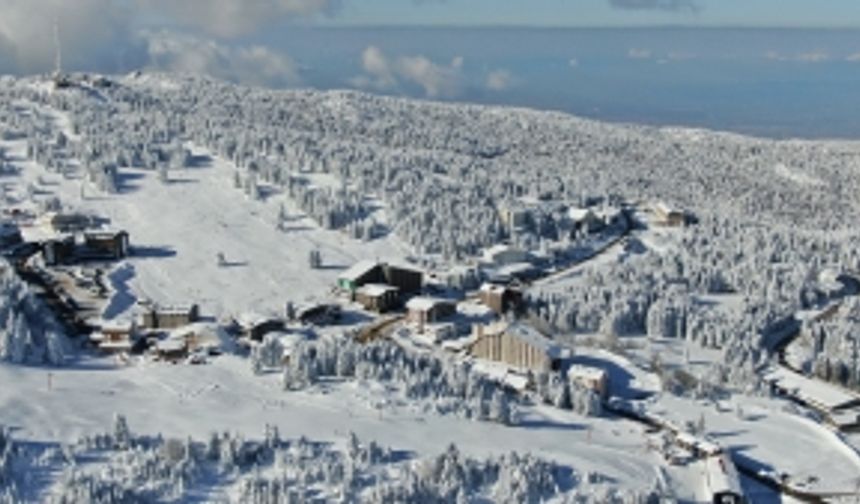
{"x":178,"y":228}
{"x":227,"y":396}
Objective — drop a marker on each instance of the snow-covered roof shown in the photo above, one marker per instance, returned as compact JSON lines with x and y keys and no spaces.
{"x":500,"y":249}
{"x":357,"y":270}
{"x":580,"y":214}
{"x":375,"y":290}
{"x":175,"y":309}
{"x":171,"y":345}
{"x":586,"y":372}
{"x":425,"y":303}
{"x":116,"y":326}
{"x":722,"y":475}
{"x":814,"y":392}
{"x":493,"y":288}
{"x":115,"y":345}
{"x":515,"y":268}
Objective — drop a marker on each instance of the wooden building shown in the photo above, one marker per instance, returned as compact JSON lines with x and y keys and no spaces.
{"x":361,"y":273}
{"x":105,"y":245}
{"x":407,"y":280}
{"x":668,"y":216}
{"x":585,"y":220}
{"x":501,"y":298}
{"x":168,"y":317}
{"x":114,"y":337}
{"x":517,"y":345}
{"x":100,"y":246}
{"x":589,"y":377}
{"x":380,"y":298}
{"x":427,"y":310}
{"x":59,"y":251}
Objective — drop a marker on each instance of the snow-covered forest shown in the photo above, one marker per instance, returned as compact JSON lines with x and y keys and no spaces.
{"x":770,"y":238}
{"x":120,"y":465}
{"x":29,"y":331}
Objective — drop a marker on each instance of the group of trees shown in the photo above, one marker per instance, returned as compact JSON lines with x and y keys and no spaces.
{"x":448,"y":386}
{"x":829,"y":348}
{"x":29,"y":331}
{"x":444,"y":171}
{"x":120,"y":466}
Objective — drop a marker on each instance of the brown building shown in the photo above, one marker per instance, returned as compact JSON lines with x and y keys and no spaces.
{"x":589,"y":377}
{"x":105,"y":245}
{"x":668,"y":216}
{"x":427,"y":310}
{"x":406,"y":279}
{"x":378,"y":297}
{"x":102,"y":246}
{"x":114,"y":337}
{"x":59,"y":251}
{"x":517,"y":345}
{"x":500,"y":298}
{"x":168,"y":317}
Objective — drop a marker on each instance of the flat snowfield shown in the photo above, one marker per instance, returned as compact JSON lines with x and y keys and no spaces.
{"x":178,"y":228}
{"x":182,"y":400}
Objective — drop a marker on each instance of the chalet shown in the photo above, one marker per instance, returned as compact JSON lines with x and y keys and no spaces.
{"x":172,"y":349}
{"x":427,"y":310}
{"x":360,"y":273}
{"x":591,"y":378}
{"x":406,"y":279}
{"x":104,"y":245}
{"x":501,"y":298}
{"x":668,"y":216}
{"x":500,"y":255}
{"x":100,"y":246}
{"x":168,"y":317}
{"x":518,"y":345}
{"x":585,"y":220}
{"x":59,"y":251}
{"x":255,"y":327}
{"x":116,"y":337}
{"x":200,"y":337}
{"x":378,"y":297}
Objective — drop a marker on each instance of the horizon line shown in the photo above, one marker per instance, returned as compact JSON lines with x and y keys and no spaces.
{"x":664,"y":26}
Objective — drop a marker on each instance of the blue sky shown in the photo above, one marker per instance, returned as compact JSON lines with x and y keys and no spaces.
{"x":761,"y":13}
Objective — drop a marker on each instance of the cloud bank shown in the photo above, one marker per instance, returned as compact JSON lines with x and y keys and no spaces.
{"x":102,"y":36}
{"x":382,"y":73}
{"x":665,"y":5}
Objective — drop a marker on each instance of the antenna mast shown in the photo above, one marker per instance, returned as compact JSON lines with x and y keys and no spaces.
{"x":58,"y":70}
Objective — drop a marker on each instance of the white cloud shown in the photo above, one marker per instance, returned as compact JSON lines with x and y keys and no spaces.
{"x":804,"y":57}
{"x":637,"y":53}
{"x":854,"y":58}
{"x":249,"y":65}
{"x":93,"y":34}
{"x":100,"y":35}
{"x":384,"y":74}
{"x":233,"y":18}
{"x":573,"y":63}
{"x":499,"y":80}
